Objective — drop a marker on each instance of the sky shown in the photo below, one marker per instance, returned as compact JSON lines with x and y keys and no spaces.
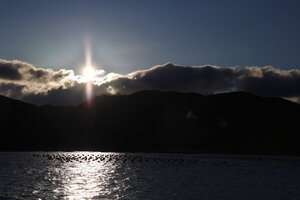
{"x":129,"y":35}
{"x":214,"y":46}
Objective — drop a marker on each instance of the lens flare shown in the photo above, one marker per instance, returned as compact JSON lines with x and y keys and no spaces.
{"x":89,"y":91}
{"x":88,"y":72}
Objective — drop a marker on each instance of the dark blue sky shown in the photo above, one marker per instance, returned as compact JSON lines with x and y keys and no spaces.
{"x":130,"y":35}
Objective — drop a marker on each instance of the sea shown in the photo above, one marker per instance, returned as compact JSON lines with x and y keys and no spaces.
{"x":111,"y":175}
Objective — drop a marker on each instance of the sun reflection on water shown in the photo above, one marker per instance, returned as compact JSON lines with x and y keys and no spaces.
{"x":86,"y":178}
{"x":82,"y":181}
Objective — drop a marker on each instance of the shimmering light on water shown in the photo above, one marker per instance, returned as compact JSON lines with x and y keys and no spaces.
{"x":92,"y":175}
{"x":80,"y":178}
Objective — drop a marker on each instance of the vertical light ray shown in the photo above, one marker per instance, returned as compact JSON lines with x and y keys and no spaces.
{"x":88,"y":63}
{"x":88,"y":55}
{"x":89,"y":91}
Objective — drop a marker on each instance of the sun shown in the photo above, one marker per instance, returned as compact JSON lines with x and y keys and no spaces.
{"x":89,"y":73}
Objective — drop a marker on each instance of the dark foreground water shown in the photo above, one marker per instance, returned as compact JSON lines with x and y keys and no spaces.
{"x":95,"y":175}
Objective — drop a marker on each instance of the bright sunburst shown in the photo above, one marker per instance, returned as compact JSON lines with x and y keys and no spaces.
{"x":89,"y":73}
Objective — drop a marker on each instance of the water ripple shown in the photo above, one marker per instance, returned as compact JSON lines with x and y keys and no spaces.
{"x":95,"y":175}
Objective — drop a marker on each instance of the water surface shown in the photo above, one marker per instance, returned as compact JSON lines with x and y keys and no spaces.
{"x":96,"y":175}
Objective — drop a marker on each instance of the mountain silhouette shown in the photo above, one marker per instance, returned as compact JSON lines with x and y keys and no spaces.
{"x":155,"y":121}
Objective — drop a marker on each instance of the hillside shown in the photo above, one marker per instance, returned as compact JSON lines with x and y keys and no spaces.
{"x":156,"y":121}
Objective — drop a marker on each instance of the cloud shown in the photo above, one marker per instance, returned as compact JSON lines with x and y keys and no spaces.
{"x":45,"y":86}
{"x":20,"y":78}
{"x":272,"y":82}
{"x":265,"y":81}
{"x":169,"y":77}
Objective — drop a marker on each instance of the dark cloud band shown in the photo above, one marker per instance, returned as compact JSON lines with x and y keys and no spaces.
{"x":43,"y":86}
{"x":266,"y":81}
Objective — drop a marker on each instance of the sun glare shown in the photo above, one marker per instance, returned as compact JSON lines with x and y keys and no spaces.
{"x":89,"y":73}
